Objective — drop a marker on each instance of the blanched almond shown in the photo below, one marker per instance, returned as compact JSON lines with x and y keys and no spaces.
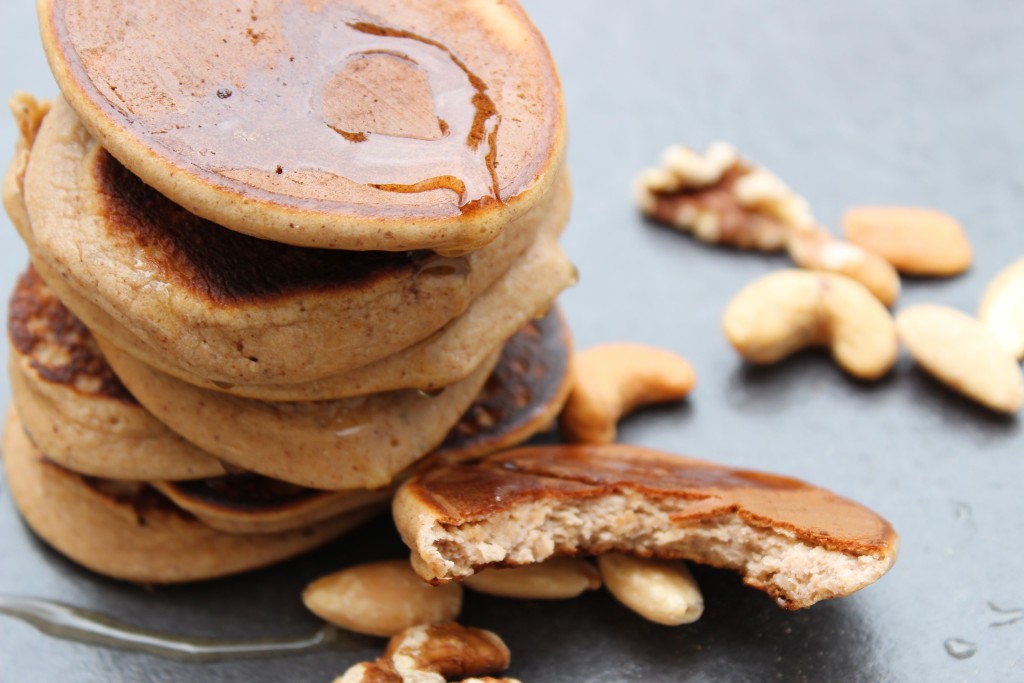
{"x":1002,"y":308}
{"x":381,"y":598}
{"x":917,"y":241}
{"x":555,"y":579}
{"x":662,"y":591}
{"x":963,"y":354}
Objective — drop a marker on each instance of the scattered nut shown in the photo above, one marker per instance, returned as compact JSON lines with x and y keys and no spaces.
{"x":789,"y":310}
{"x":611,"y":380}
{"x":1002,"y":308}
{"x":662,"y":591}
{"x":916,"y":241}
{"x":963,"y":354}
{"x":381,"y":598}
{"x":765,"y":193}
{"x":435,"y":654}
{"x":691,"y":169}
{"x":558,"y":578}
{"x":723,"y":200}
{"x":719,"y":198}
{"x":816,"y":249}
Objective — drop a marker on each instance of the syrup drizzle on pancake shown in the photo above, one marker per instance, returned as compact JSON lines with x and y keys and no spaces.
{"x":255,"y":126}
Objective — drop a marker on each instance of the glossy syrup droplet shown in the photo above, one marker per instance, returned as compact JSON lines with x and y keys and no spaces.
{"x":958,"y":648}
{"x":84,"y":626}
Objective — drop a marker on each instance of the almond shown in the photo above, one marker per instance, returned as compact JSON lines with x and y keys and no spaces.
{"x":917,"y":241}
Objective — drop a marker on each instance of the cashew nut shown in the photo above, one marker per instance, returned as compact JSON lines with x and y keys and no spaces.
{"x":963,"y":354}
{"x":1002,"y":308}
{"x":916,"y":241}
{"x":381,"y":598}
{"x":816,"y":249}
{"x":662,"y":591}
{"x":789,"y":310}
{"x":611,"y":380}
{"x":555,"y":579}
{"x":435,"y":654}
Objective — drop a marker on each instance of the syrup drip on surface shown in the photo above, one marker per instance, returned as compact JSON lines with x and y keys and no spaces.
{"x":277,"y":118}
{"x":84,"y":626}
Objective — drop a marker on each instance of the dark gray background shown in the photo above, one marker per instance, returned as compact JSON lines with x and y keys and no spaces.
{"x":916,"y":102}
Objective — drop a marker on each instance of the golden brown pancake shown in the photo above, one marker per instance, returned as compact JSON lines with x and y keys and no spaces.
{"x":346,"y":124}
{"x":128,"y":531}
{"x":447,"y":356}
{"x":797,"y":542}
{"x":74,"y":406}
{"x":360,"y":442}
{"x":523,"y":395}
{"x":251,"y":504}
{"x":227,"y":307}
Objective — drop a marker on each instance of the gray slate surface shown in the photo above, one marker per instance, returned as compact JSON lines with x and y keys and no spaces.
{"x":874,"y":101}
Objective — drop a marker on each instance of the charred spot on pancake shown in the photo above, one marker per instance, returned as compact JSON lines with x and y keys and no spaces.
{"x":58,"y":346}
{"x":243,"y":492}
{"x":222,"y":265}
{"x":530,"y":374}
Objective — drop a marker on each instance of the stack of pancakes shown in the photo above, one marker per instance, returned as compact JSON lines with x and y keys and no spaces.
{"x":282,"y":257}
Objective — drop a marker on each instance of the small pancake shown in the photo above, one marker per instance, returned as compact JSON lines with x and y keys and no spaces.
{"x":447,"y":356}
{"x":346,"y":124}
{"x":227,"y":307}
{"x":248,"y":503}
{"x":797,"y":542}
{"x":351,"y":443}
{"x":523,"y":395}
{"x":524,"y":292}
{"x":128,"y":531}
{"x":75,"y":407}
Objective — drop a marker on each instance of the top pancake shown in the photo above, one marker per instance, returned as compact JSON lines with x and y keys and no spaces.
{"x":347,"y":124}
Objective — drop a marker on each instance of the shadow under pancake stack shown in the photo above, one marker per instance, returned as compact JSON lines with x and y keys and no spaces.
{"x":280,"y":261}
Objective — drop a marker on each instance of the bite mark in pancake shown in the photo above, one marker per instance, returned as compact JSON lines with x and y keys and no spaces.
{"x":797,"y":542}
{"x":219,"y":264}
{"x":59,"y":347}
